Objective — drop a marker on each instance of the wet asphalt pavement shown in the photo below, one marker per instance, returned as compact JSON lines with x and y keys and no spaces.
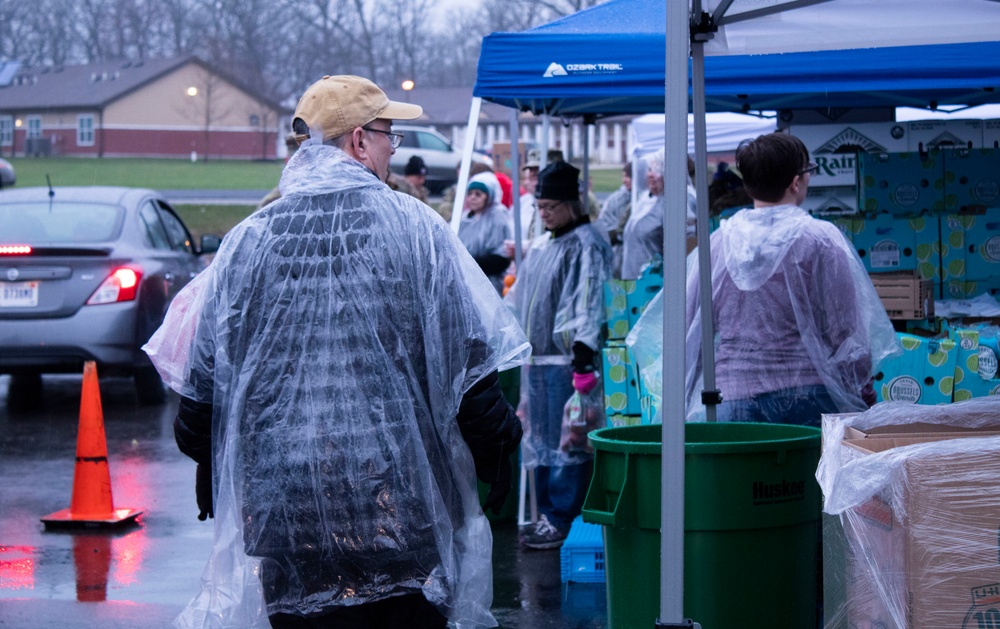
{"x":144,"y":574}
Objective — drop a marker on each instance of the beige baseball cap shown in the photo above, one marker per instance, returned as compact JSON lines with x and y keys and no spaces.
{"x":339,"y":104}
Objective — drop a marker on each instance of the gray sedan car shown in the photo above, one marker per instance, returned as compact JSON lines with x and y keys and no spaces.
{"x":87,"y":273}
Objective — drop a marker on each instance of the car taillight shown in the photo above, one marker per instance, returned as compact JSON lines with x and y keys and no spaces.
{"x":14,"y":250}
{"x":121,"y":285}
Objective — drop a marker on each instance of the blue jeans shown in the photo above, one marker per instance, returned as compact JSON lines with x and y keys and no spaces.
{"x":802,"y":406}
{"x":561,"y":490}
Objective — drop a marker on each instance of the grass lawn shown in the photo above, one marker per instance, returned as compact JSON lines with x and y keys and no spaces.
{"x":605,"y":179}
{"x":158,"y":174}
{"x":212,"y":219}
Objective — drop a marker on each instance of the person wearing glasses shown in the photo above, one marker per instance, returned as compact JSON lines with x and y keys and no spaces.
{"x":558,"y":298}
{"x":341,"y":390}
{"x":799,"y":327}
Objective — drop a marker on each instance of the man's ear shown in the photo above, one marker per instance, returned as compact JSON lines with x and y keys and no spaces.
{"x":358,"y":141}
{"x":795,"y":185}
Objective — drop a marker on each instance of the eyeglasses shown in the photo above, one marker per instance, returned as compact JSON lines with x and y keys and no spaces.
{"x":810,"y":168}
{"x":548,"y":207}
{"x":395,"y":138}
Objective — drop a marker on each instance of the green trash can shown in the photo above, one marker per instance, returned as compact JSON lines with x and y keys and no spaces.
{"x":510,"y":385}
{"x":751,"y":524}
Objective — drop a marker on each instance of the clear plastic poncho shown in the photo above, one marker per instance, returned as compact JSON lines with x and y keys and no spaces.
{"x":337,"y":331}
{"x":793,"y":306}
{"x":642,"y":236}
{"x":486,"y":231}
{"x":558,"y":298}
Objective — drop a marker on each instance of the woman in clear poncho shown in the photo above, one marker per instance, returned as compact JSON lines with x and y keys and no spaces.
{"x":558,"y":298}
{"x":337,"y":331}
{"x":642,"y":236}
{"x":486,"y":226}
{"x":799,"y":327}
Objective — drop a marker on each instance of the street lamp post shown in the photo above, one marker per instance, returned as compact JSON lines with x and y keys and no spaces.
{"x":407,"y":86}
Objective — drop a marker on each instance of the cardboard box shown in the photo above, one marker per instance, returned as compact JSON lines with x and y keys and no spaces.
{"x":616,"y":294}
{"x":991,"y":134}
{"x":953,"y":249}
{"x":905,"y":295}
{"x":621,"y":381}
{"x":646,"y":287}
{"x":925,"y":135}
{"x":972,"y":179}
{"x":834,"y":147}
{"x":617,"y":421}
{"x":848,"y":225}
{"x":902,"y":184}
{"x":886,"y":243}
{"x":831,"y":200}
{"x":923,"y":552}
{"x":976,"y":366}
{"x":923,"y":374}
{"x":982,"y":245}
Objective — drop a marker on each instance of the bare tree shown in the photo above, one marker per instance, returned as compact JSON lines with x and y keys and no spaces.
{"x":274,"y":47}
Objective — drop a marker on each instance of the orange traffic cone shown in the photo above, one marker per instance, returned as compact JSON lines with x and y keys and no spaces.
{"x":91,"y":504}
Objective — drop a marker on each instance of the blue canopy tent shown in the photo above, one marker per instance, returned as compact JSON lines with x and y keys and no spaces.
{"x":598,"y":62}
{"x":648,"y":56}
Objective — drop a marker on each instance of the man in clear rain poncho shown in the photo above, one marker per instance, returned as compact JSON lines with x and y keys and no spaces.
{"x":558,"y":298}
{"x":799,"y":327}
{"x":342,"y":387}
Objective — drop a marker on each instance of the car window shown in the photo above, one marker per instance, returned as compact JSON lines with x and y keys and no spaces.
{"x":180,"y":240}
{"x":156,"y":234}
{"x":432,"y":142}
{"x":409,"y":140}
{"x":34,"y":223}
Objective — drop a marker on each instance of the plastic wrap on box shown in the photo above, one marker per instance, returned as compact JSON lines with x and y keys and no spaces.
{"x":914,"y":541}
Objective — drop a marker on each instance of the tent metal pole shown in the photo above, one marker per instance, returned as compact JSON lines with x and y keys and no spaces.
{"x":585,"y":191}
{"x":710,"y":395}
{"x":515,"y":176}
{"x":675,"y":107}
{"x":546,"y":124}
{"x":463,"y":173}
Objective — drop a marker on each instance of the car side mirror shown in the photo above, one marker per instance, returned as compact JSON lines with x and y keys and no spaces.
{"x":210,"y":243}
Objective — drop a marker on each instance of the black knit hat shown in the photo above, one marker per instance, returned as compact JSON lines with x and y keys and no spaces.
{"x":415,"y":166}
{"x":559,"y":181}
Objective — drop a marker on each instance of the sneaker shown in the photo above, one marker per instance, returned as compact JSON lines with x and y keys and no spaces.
{"x":544,"y":535}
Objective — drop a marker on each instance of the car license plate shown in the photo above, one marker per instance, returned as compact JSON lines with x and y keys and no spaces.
{"x":18,"y":294}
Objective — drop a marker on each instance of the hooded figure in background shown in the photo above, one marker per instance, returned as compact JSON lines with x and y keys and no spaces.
{"x":558,"y":298}
{"x":485,"y":226}
{"x":340,"y":386}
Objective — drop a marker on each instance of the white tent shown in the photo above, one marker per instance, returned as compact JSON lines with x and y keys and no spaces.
{"x":724,"y":131}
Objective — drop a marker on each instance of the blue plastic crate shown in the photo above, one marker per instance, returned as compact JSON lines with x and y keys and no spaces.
{"x":582,"y":554}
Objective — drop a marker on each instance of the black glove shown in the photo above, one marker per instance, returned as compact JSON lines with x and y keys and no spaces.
{"x":500,"y":489}
{"x":203,"y":491}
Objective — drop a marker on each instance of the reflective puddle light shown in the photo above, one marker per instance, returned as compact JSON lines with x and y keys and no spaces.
{"x":121,"y":285}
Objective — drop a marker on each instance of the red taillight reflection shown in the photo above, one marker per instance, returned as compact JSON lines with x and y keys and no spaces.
{"x":14,"y":250}
{"x":121,"y":285}
{"x":17,"y":568}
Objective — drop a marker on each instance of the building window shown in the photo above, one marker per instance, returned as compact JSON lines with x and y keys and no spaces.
{"x":6,"y":130}
{"x":34,"y":127}
{"x":85,"y":130}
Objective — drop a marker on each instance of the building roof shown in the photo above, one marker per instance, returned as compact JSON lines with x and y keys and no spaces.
{"x":93,"y":85}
